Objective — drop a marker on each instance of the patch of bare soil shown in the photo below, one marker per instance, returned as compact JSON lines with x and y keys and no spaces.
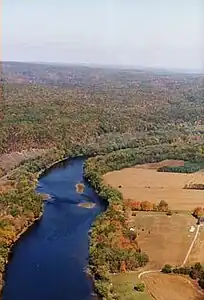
{"x":13,"y":159}
{"x":171,"y":287}
{"x":163,"y":163}
{"x":5,"y":187}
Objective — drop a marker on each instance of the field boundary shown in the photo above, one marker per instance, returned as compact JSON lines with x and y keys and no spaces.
{"x":185,"y":259}
{"x":191,"y":246}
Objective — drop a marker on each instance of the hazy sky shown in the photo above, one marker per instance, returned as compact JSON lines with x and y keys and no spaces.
{"x":154,"y":33}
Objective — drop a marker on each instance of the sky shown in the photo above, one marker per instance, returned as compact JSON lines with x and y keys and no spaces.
{"x":135,"y":33}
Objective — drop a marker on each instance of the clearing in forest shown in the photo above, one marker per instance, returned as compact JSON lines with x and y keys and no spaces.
{"x":144,"y":183}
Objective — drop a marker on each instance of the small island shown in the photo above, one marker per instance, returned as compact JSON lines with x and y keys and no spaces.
{"x":80,"y":188}
{"x":45,"y":197}
{"x":87,"y":204}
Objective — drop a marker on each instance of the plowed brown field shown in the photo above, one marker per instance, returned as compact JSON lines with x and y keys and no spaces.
{"x":165,"y":239}
{"x":144,"y":183}
{"x":171,"y":287}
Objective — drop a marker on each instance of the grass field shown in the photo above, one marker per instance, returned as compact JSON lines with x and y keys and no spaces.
{"x":158,"y":287}
{"x":123,"y":285}
{"x":144,"y":183}
{"x":165,"y":239}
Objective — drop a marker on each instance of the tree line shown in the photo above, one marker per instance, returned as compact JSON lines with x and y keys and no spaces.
{"x":162,"y":206}
{"x":20,"y":205}
{"x":196,"y":272}
{"x":113,"y":248}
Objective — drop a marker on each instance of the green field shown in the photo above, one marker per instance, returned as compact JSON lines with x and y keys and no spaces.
{"x":123,"y":286}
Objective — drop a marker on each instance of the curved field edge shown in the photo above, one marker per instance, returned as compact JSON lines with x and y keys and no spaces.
{"x":94,"y":170}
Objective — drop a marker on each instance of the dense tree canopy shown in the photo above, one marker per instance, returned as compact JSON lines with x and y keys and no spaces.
{"x":104,"y":109}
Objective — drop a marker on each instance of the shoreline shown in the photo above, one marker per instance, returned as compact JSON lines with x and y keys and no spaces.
{"x":23,"y":231}
{"x":11,"y":249}
{"x":32,"y":222}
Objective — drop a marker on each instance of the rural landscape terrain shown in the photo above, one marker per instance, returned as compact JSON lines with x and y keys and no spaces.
{"x":167,"y":238}
{"x":142,"y":132}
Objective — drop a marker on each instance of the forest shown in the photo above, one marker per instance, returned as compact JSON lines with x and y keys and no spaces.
{"x":130,"y":108}
{"x":118,"y":118}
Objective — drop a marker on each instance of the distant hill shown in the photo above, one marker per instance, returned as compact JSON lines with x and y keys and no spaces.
{"x":68,"y":75}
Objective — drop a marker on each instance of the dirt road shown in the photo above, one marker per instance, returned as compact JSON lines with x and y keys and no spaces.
{"x":185,"y":259}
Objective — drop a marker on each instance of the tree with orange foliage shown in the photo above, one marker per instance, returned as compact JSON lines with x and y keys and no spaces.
{"x":146,"y":206}
{"x":123,"y":267}
{"x":135,"y":205}
{"x":198,"y":212}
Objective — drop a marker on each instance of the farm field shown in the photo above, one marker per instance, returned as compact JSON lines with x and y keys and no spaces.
{"x":197,"y":253}
{"x":144,"y":183}
{"x":158,"y":286}
{"x":165,"y":239}
{"x":123,"y":285}
{"x":166,"y":287}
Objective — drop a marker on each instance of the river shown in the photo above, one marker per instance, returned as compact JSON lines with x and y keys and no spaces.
{"x":49,"y":261}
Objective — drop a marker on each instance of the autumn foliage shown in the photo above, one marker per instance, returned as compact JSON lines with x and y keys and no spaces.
{"x":112,"y":245}
{"x":198,"y":212}
{"x":146,"y":206}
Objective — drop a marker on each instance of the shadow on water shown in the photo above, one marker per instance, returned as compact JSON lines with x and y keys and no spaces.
{"x":48,"y":262}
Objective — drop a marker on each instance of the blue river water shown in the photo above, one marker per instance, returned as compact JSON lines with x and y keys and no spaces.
{"x":49,"y":261}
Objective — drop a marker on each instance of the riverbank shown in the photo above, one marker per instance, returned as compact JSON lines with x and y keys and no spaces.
{"x":63,"y":228}
{"x":62,"y":217}
{"x":112,"y":248}
{"x":18,"y":227}
{"x":13,"y":244}
{"x":20,"y":205}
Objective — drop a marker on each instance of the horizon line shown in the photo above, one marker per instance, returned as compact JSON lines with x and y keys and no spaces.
{"x":109,"y":66}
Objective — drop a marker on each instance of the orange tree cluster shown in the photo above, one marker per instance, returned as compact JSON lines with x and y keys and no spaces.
{"x":112,"y":248}
{"x":147,"y":205}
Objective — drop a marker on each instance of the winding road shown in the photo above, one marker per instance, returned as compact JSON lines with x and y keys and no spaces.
{"x":185,"y":259}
